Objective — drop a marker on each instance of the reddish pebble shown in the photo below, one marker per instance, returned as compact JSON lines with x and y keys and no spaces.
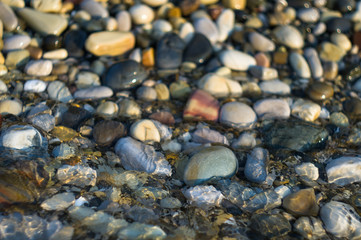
{"x":202,"y":106}
{"x":163,"y":117}
{"x":262,"y":60}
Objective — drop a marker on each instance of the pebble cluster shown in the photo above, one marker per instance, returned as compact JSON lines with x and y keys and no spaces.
{"x":193,"y":119}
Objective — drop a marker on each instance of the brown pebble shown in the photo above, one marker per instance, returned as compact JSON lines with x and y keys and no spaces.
{"x":214,"y":11}
{"x":330,"y":70}
{"x":320,"y":91}
{"x":148,"y":57}
{"x":356,"y":40}
{"x":174,"y":12}
{"x":60,"y":68}
{"x":353,"y":108}
{"x":262,"y":60}
{"x":107,"y":132}
{"x":189,"y":6}
{"x":163,"y":117}
{"x":301,"y":203}
{"x":35,"y":52}
{"x":280,"y":57}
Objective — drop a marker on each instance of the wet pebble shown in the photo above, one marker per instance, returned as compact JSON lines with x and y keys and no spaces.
{"x":344,"y":170}
{"x":272,"y":109}
{"x":169,"y":51}
{"x":339,"y":119}
{"x":8,"y":17}
{"x":146,"y":93}
{"x":308,"y":170}
{"x":237,"y":60}
{"x":58,"y":91}
{"x":256,"y":169}
{"x":245,"y":140}
{"x":45,"y":122}
{"x":107,"y":109}
{"x":208,"y":28}
{"x":63,"y":151}
{"x":306,"y":110}
{"x":201,"y":105}
{"x":237,"y":114}
{"x":107,"y":132}
{"x":204,"y":196}
{"x":18,"y":41}
{"x":301,"y":203}
{"x":95,"y":9}
{"x":219,"y":86}
{"x":273,"y":225}
{"x":129,"y":108}
{"x":198,"y":50}
{"x":74,"y":42}
{"x":320,"y":91}
{"x":263,"y":73}
{"x":339,"y":25}
{"x":310,"y":228}
{"x":58,"y":202}
{"x":206,"y":135}
{"x":93,"y":93}
{"x":299,"y":65}
{"x":261,"y":43}
{"x":331,"y":52}
{"x":77,"y":175}
{"x":141,"y":14}
{"x":314,"y":62}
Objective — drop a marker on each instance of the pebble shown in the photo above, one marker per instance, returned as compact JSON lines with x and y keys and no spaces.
{"x":225,"y":24}
{"x":39,"y":68}
{"x":339,"y":25}
{"x":237,"y":60}
{"x":138,"y":230}
{"x":186,"y":32}
{"x":163,"y":117}
{"x":140,"y":157}
{"x":53,"y":6}
{"x":169,"y":51}
{"x":256,"y":169}
{"x":331,"y":52}
{"x":320,"y":91}
{"x":95,"y":9}
{"x":238,"y":115}
{"x":106,"y":132}
{"x":57,"y":54}
{"x":74,"y":116}
{"x":43,"y":23}
{"x":35,"y":85}
{"x":63,"y":151}
{"x":97,"y":92}
{"x":18,"y":41}
{"x":301,"y":203}
{"x":129,"y":108}
{"x":46,"y":122}
{"x":155,"y":3}
{"x":58,"y":202}
{"x":201,"y":105}
{"x":308,"y":15}
{"x":77,"y":175}
{"x":3,"y":87}
{"x":295,"y":135}
{"x":9,"y":106}
{"x":263,"y":73}
{"x":170,"y":203}
{"x":206,"y":135}
{"x":272,"y":109}
{"x":261,"y":43}
{"x":245,"y":140}
{"x":74,"y":41}
{"x":204,"y":196}
{"x":344,"y":170}
{"x":341,"y":220}
{"x":308,"y":170}
{"x":141,"y":14}
{"x":299,"y":65}
{"x":160,"y":28}
{"x":8,"y":17}
{"x":124,"y":21}
{"x":339,"y":119}
{"x":314,"y":62}
{"x":207,"y":27}
{"x":273,"y":225}
{"x":219,"y":86}
{"x":146,"y":93}
{"x":275,"y":87}
{"x":86,"y":79}
{"x":125,"y":74}
{"x":198,"y":50}
{"x":289,"y":36}
{"x":342,"y":41}
{"x":107,"y":109}
{"x":17,"y":59}
{"x":262,"y":60}
{"x":310,"y":228}
{"x":162,"y":91}
{"x":306,"y":110}
{"x":144,"y":130}
{"x":58,"y":91}
{"x":110,"y":43}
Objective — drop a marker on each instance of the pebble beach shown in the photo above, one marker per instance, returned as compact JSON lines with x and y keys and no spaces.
{"x":180,"y":119}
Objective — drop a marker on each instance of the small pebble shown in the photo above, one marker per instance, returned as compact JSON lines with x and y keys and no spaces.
{"x":9,"y":106}
{"x":201,"y":105}
{"x":106,"y":132}
{"x":237,"y":114}
{"x":289,"y":36}
{"x":141,"y":14}
{"x":299,"y":65}
{"x":301,"y":203}
{"x":256,"y":169}
{"x":145,"y":130}
{"x":245,"y":140}
{"x":208,"y":28}
{"x":306,"y":110}
{"x":275,"y":87}
{"x":35,"y":85}
{"x":146,"y":93}
{"x":107,"y":109}
{"x":308,"y":170}
{"x":272,"y":109}
{"x":77,"y":175}
{"x":18,"y":41}
{"x":204,"y":196}
{"x":59,"y":91}
{"x":58,"y":202}
{"x":39,"y":67}
{"x":237,"y":60}
{"x":261,"y":43}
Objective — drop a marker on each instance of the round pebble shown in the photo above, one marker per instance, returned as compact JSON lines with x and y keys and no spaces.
{"x":272,"y":109}
{"x":236,"y":60}
{"x":106,"y":132}
{"x":275,"y":87}
{"x":237,"y":114}
{"x":141,"y":14}
{"x":39,"y":68}
{"x":320,"y":91}
{"x":9,"y":106}
{"x":289,"y":36}
{"x":35,"y":85}
{"x":144,"y":130}
{"x":107,"y":109}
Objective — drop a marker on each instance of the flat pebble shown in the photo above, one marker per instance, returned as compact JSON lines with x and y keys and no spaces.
{"x":106,"y":132}
{"x":260,"y":42}
{"x":58,"y":202}
{"x":208,"y":28}
{"x":107,"y":109}
{"x":201,"y":105}
{"x":45,"y":122}
{"x":95,"y":9}
{"x":145,"y":130}
{"x":9,"y":106}
{"x":256,"y":169}
{"x":63,"y":151}
{"x":141,"y":14}
{"x":344,"y":170}
{"x":314,"y":62}
{"x":163,"y":117}
{"x":301,"y":203}
{"x":35,"y":85}
{"x":341,"y":220}
{"x":225,"y":24}
{"x":198,"y":50}
{"x":275,"y":87}
{"x":299,"y":65}
{"x":263,"y":73}
{"x":146,"y":93}
{"x":96,"y":92}
{"x":320,"y":91}
{"x":237,"y":60}
{"x":58,"y":91}
{"x":306,"y":110}
{"x":289,"y":36}
{"x":310,"y":228}
{"x":219,"y":86}
{"x":169,"y":51}
{"x":309,"y":15}
{"x":8,"y":17}
{"x":57,"y":54}
{"x":141,"y":157}
{"x":308,"y":170}
{"x":110,"y":43}
{"x":18,"y":41}
{"x":272,"y":109}
{"x":245,"y":140}
{"x":53,"y":6}
{"x":273,"y":225}
{"x":39,"y":67}
{"x":3,"y":87}
{"x":206,"y":135}
{"x":237,"y":114}
{"x":124,"y":21}
{"x":80,"y":176}
{"x":204,"y":196}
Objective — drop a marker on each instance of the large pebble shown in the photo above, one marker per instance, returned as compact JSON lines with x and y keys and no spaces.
{"x":18,"y":41}
{"x":261,"y":43}
{"x":309,"y":15}
{"x":107,"y":109}
{"x":306,"y":110}
{"x":35,"y":85}
{"x":58,"y":91}
{"x":95,"y":9}
{"x":110,"y":43}
{"x":341,"y":220}
{"x":341,"y":40}
{"x":108,"y":131}
{"x":8,"y":17}
{"x":225,"y":24}
{"x":272,"y":109}
{"x":43,"y":23}
{"x":169,"y":51}
{"x":289,"y":36}
{"x":74,"y":41}
{"x":272,"y":225}
{"x":275,"y":87}
{"x":140,"y":157}
{"x":141,"y":14}
{"x":331,"y":52}
{"x":206,"y":135}
{"x":77,"y":175}
{"x":256,"y":169}
{"x":344,"y":170}
{"x":237,"y":114}
{"x":204,"y":196}
{"x":97,"y":92}
{"x":301,"y":203}
{"x":145,"y":130}
{"x":124,"y":74}
{"x":263,"y":73}
{"x":210,"y":163}
{"x":201,"y":105}
{"x":308,"y":170}
{"x":237,"y":60}
{"x":219,"y":86}
{"x":198,"y":50}
{"x":124,"y":21}
{"x":58,"y":202}
{"x":314,"y":62}
{"x":208,"y":28}
{"x":39,"y":67}
{"x":9,"y":106}
{"x":299,"y":65}
{"x":320,"y":91}
{"x":310,"y":228}
{"x":51,"y":6}
{"x":44,"y":121}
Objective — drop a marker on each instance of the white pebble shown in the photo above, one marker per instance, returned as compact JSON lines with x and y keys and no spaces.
{"x":272,"y":109}
{"x":237,"y":60}
{"x":35,"y":85}
{"x":141,"y":14}
{"x":306,"y":110}
{"x":204,"y":196}
{"x":145,"y":130}
{"x":58,"y":202}
{"x":307,"y":169}
{"x":275,"y":87}
{"x":39,"y":67}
